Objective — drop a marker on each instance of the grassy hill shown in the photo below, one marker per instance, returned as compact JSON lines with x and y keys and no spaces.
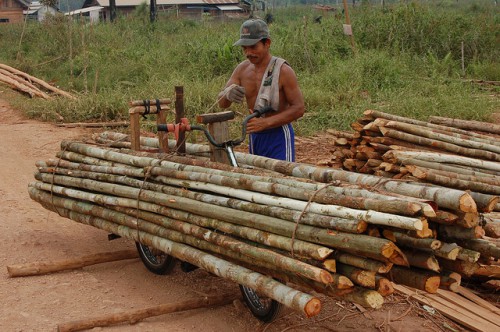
{"x":408,"y":61}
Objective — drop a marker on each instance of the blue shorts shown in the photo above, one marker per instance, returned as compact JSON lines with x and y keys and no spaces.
{"x":276,"y":143}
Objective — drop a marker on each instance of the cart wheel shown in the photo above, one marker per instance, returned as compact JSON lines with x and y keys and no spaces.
{"x":155,"y":260}
{"x":264,"y":308}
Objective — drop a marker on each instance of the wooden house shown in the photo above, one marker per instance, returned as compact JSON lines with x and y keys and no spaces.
{"x":11,"y":11}
{"x":180,"y":8}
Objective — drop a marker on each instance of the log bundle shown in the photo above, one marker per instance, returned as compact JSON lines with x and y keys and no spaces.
{"x":32,"y":86}
{"x":326,"y":230}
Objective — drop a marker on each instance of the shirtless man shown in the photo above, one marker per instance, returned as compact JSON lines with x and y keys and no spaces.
{"x":265,"y":81}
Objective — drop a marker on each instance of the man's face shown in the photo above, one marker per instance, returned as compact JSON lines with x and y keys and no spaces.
{"x":256,"y":53}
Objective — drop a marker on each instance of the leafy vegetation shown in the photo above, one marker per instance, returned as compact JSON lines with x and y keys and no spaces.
{"x":407,"y":60}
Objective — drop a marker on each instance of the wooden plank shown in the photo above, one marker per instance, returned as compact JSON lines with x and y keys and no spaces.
{"x":475,"y":323}
{"x":476,"y":299}
{"x":470,"y":306}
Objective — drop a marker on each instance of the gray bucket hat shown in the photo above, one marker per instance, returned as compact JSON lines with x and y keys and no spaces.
{"x":251,"y":32}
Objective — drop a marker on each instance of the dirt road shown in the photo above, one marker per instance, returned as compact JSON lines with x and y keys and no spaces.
{"x":29,"y":233}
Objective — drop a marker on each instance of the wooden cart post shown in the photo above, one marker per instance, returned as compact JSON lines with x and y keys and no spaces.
{"x":219,"y":129}
{"x":144,"y":107}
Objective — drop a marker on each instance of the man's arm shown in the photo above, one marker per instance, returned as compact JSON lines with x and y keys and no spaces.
{"x":293,"y":111}
{"x":234,"y":79}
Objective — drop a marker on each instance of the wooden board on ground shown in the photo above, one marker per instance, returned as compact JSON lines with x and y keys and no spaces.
{"x":465,"y":313}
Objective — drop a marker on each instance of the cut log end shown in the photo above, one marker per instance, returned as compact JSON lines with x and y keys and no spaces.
{"x":312,"y":308}
{"x":432,"y":284}
{"x":467,"y":203}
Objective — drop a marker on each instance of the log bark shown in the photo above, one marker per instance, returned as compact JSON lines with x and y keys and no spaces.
{"x":460,"y":233}
{"x":354,"y":243}
{"x":452,"y":182}
{"x":19,"y":86}
{"x":36,"y":80}
{"x":302,"y":302}
{"x":484,"y":247}
{"x":411,"y":242}
{"x":444,"y":197}
{"x":468,"y":255}
{"x":383,"y":286}
{"x":447,"y":158}
{"x":448,"y":251}
{"x":24,"y":82}
{"x":358,"y":276}
{"x":134,"y":316}
{"x":466,"y":124}
{"x":423,"y":260}
{"x":474,"y":153}
{"x":492,"y":229}
{"x":377,"y":114}
{"x":415,"y":278}
{"x":39,"y":268}
{"x":432,"y":134}
{"x":363,"y":263}
{"x":462,"y":267}
{"x":489,"y":271}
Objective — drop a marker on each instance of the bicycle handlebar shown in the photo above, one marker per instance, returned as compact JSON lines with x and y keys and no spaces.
{"x":238,"y":141}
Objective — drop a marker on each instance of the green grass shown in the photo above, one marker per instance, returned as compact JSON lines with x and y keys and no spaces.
{"x":407,"y":62}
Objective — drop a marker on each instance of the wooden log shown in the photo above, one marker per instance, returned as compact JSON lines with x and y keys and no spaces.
{"x":164,"y":101}
{"x":444,"y":197}
{"x":363,"y":263}
{"x":358,"y":276}
{"x":453,"y":169}
{"x":423,"y":260}
{"x":36,"y":80}
{"x":448,"y":251}
{"x":467,"y":220}
{"x":460,"y":233}
{"x":39,"y":268}
{"x":489,"y":271}
{"x":134,"y":316}
{"x":313,"y":219}
{"x":21,"y":87}
{"x":468,"y":255}
{"x":383,"y":286}
{"x":433,"y":134}
{"x":449,"y":283}
{"x":466,"y":124}
{"x":94,"y":124}
{"x":344,"y":134}
{"x":419,"y":279}
{"x":412,"y":242}
{"x":130,"y":216}
{"x":462,"y":267}
{"x":485,"y":247}
{"x":304,"y":303}
{"x":449,"y":181}
{"x":447,"y":158}
{"x":448,"y":129}
{"x":474,"y":153}
{"x":492,"y":229}
{"x":24,"y":82}
{"x":444,"y":217}
{"x":358,"y":244}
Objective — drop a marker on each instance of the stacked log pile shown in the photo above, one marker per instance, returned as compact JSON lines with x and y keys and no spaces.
{"x":28,"y":84}
{"x":332,"y":231}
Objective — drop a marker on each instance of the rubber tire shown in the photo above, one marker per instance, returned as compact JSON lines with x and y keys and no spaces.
{"x":151,"y":261}
{"x":265,"y":312}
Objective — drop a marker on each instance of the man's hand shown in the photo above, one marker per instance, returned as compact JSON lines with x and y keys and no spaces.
{"x":234,"y":93}
{"x":256,"y":124}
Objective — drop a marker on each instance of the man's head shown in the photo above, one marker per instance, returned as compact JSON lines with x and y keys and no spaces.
{"x":251,"y":32}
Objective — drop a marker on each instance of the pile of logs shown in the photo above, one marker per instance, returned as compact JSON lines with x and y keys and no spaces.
{"x":442,"y":151}
{"x":28,"y":84}
{"x":325,"y":230}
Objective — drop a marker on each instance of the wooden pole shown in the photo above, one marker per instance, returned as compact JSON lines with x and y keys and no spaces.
{"x":179,"y":114}
{"x":39,"y":268}
{"x":348,"y":27}
{"x":134,"y":316}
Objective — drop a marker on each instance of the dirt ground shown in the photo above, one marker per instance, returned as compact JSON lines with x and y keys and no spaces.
{"x":29,"y":233}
